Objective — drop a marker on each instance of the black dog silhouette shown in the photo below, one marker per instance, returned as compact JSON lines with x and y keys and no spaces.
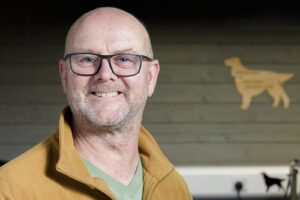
{"x":270,"y":181}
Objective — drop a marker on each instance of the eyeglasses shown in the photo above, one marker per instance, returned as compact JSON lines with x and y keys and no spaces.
{"x":123,"y":64}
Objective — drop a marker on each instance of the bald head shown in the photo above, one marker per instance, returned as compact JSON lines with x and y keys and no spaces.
{"x":108,"y":28}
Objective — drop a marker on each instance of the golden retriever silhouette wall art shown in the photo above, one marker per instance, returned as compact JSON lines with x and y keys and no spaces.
{"x":250,"y":83}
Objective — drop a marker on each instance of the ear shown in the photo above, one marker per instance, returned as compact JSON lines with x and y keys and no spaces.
{"x":153,"y":72}
{"x":63,"y":73}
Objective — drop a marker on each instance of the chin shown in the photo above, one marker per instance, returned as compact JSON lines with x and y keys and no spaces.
{"x":106,"y":120}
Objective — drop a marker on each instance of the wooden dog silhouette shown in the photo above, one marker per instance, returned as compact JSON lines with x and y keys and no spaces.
{"x":251,"y":83}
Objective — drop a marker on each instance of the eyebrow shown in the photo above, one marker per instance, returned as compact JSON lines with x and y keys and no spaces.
{"x":126,"y":50}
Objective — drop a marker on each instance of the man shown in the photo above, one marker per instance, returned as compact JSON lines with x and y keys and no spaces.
{"x":100,"y":150}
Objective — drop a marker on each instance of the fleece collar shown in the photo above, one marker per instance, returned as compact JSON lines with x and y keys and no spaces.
{"x":155,"y":164}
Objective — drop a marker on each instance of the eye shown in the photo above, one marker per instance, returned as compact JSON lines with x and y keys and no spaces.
{"x":125,"y":60}
{"x":88,"y":59}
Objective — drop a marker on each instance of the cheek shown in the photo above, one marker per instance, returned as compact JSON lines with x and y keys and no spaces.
{"x":143,"y":86}
{"x":75,"y":84}
{"x":137,"y":85}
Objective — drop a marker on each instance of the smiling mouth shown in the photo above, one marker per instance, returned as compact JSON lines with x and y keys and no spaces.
{"x":106,"y":94}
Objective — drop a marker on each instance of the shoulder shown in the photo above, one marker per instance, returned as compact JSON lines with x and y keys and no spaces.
{"x":174,"y":187}
{"x":177,"y":179}
{"x":30,"y":163}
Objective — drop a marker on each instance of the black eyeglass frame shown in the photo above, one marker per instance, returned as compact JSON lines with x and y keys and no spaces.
{"x":108,"y":57}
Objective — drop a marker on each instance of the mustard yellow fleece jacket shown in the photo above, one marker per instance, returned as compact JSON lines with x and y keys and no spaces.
{"x":53,"y":170}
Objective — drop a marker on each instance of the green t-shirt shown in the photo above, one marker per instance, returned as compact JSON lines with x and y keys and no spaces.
{"x":132,"y":191}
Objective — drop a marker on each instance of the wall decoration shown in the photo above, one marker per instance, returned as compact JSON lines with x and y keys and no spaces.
{"x":250,"y":83}
{"x":271,"y":181}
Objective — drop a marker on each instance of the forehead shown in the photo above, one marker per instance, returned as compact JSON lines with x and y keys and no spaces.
{"x":104,"y":36}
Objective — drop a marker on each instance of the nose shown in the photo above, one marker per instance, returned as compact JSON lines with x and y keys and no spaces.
{"x":105,"y":72}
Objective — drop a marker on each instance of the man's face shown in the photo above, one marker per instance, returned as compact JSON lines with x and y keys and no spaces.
{"x":104,"y":99}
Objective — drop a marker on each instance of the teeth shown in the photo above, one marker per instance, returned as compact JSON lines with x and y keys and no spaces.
{"x":106,"y":94}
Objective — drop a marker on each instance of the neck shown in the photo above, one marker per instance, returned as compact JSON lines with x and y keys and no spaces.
{"x":114,"y":151}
